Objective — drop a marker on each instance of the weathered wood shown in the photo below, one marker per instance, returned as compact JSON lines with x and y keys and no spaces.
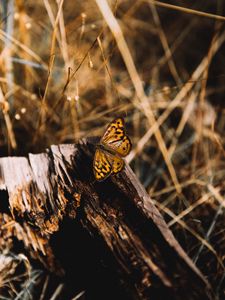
{"x":117,"y":213}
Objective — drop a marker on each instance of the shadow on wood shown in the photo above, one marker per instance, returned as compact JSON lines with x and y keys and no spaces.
{"x":99,"y":235}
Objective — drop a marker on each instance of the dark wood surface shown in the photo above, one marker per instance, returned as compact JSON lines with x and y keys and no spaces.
{"x":123,"y":226}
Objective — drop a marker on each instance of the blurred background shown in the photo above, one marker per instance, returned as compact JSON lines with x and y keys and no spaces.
{"x":67,"y":68}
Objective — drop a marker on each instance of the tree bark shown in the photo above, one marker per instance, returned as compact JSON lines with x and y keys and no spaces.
{"x":117,"y":213}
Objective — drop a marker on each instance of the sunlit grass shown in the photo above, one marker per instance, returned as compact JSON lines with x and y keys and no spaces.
{"x":68,"y":68}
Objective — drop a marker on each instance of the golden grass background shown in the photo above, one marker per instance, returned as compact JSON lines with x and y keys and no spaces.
{"x":69,"y":67}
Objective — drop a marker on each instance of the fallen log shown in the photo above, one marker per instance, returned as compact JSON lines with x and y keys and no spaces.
{"x":126,"y":230}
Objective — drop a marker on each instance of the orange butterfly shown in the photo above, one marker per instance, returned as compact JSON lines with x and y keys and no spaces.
{"x":114,"y":145}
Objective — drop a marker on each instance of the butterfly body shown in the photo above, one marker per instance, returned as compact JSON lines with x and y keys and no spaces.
{"x":114,"y":145}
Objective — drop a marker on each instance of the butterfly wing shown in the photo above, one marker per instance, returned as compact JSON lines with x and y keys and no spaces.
{"x":122,"y":147}
{"x":117,"y":164}
{"x":102,"y":166}
{"x":114,"y":131}
{"x":116,"y":139}
{"x":105,"y":164}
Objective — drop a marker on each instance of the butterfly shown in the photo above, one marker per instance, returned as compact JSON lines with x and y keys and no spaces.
{"x":114,"y":145}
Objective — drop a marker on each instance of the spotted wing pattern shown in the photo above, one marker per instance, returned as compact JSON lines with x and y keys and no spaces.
{"x":114,"y":131}
{"x":121,"y":147}
{"x":116,"y":139}
{"x":117,"y":164}
{"x":105,"y":164}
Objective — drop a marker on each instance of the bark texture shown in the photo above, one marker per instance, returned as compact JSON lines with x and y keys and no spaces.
{"x":130,"y":233}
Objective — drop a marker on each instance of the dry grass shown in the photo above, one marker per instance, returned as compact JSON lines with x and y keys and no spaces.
{"x":68,"y":68}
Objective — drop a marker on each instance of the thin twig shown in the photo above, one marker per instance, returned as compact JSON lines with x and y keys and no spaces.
{"x":143,"y":103}
{"x":187,"y":10}
{"x":5,"y":109}
{"x":165,"y":45}
{"x":57,"y":292}
{"x":177,"y":100}
{"x":221,"y":200}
